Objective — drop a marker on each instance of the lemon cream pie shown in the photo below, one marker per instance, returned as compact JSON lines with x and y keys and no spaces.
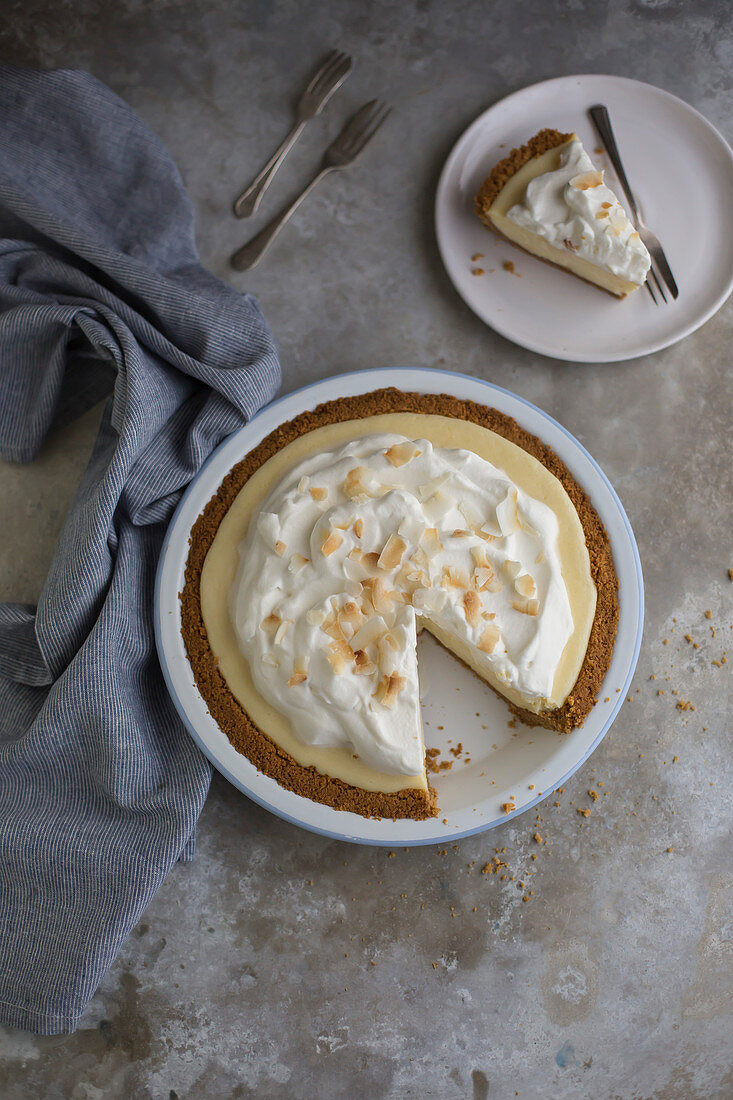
{"x":548,"y":198}
{"x":345,"y":533}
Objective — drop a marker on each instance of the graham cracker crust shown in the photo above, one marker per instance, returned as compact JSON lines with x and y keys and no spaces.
{"x":509,"y":166}
{"x":252,"y":742}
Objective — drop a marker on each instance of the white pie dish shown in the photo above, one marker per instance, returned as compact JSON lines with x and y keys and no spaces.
{"x":526,"y":764}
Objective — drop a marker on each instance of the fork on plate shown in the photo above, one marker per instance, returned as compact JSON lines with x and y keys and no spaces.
{"x":326,"y":80}
{"x":660,"y":265}
{"x":340,"y":154}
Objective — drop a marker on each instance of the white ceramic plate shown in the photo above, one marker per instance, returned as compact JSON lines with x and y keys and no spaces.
{"x":681,"y":170}
{"x":522,"y":765}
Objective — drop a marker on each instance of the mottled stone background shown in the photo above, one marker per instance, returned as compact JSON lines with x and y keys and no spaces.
{"x":280,"y":964}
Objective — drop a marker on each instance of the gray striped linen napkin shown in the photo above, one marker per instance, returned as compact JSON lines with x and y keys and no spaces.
{"x":100,"y":288}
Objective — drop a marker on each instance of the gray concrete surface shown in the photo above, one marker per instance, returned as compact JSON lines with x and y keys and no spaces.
{"x":280,"y":964}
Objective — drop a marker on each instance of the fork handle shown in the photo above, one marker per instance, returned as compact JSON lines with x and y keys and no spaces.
{"x":602,"y":121}
{"x":253,"y":251}
{"x":249,"y":200}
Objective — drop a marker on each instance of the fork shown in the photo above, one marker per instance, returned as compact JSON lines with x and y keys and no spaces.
{"x":602,"y":121}
{"x":360,"y":129}
{"x":326,"y":80}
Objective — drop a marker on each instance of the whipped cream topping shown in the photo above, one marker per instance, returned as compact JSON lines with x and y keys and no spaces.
{"x":354,"y":550}
{"x":572,"y":208}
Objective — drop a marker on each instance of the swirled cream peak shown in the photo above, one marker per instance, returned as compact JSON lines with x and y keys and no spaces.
{"x":572,"y":208}
{"x":358,"y":547}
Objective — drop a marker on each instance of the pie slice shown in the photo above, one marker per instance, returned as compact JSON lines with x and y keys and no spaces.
{"x":346,"y":532}
{"x":549,"y":199}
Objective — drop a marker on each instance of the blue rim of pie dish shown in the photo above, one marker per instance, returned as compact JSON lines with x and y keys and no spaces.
{"x":334,"y":834}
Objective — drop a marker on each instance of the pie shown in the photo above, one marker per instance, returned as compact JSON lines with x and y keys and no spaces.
{"x":549,"y":199}
{"x":343,"y":534}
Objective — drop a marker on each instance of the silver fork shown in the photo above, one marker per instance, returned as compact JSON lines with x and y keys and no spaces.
{"x":326,"y":80}
{"x":602,"y":121}
{"x":356,"y":133}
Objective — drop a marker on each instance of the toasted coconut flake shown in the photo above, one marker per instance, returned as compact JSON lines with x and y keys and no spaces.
{"x":507,"y":513}
{"x":297,"y":678}
{"x":342,"y":647}
{"x":511,"y":569}
{"x":460,"y":533}
{"x":429,"y":488}
{"x":454,"y":577}
{"x":334,"y":630}
{"x":329,"y":622}
{"x":355,"y":572}
{"x":437,"y":506}
{"x":315,"y":616}
{"x":472,"y":607}
{"x":486,"y":534}
{"x":488,"y":641}
{"x":369,"y":632}
{"x":319,"y":493}
{"x":413,"y":578}
{"x":370,"y":560}
{"x":296,"y":563}
{"x":270,"y":659}
{"x":401,"y":453}
{"x":480,"y":557}
{"x":525,"y":585}
{"x":331,"y":542}
{"x":430,"y":544}
{"x":420,"y":559}
{"x":393,"y":552}
{"x":281,"y":631}
{"x":540,"y":558}
{"x":380,"y":597}
{"x":338,"y":664}
{"x":351,"y":614}
{"x":280,"y":548}
{"x":527,"y":607}
{"x":587,"y":180}
{"x":429,"y":599}
{"x":303,"y":484}
{"x":358,"y":527}
{"x":271,"y":622}
{"x":355,"y":554}
{"x":387,"y":653}
{"x":470,"y":513}
{"x":363,"y":664}
{"x":484,"y":579}
{"x":355,"y":485}
{"x":411,"y":529}
{"x":393,"y":685}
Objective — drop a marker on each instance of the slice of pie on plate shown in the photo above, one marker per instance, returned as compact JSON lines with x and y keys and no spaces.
{"x":548,"y":198}
{"x":348,"y":530}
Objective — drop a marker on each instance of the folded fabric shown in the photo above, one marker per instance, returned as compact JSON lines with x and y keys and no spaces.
{"x":100,"y":286}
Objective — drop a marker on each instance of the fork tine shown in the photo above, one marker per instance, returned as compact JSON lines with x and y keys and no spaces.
{"x":335,"y":75}
{"x":659,"y":285}
{"x":648,"y":285}
{"x":336,"y":66}
{"x":326,"y":64}
{"x":372,"y":129}
{"x":358,"y":122}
